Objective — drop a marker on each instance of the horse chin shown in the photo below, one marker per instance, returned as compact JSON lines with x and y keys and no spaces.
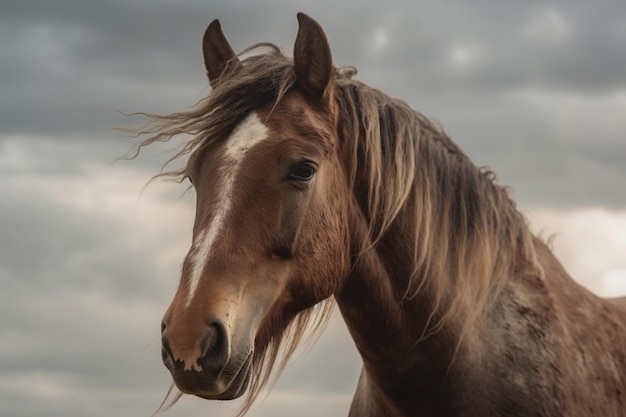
{"x":203,"y":386}
{"x":236,"y":388}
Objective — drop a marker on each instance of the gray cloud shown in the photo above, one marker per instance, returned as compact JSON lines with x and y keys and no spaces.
{"x":66,"y":66}
{"x":536,"y":91}
{"x":62,"y":285}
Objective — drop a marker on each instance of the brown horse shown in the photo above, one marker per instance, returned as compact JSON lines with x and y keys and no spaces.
{"x":312,"y":186}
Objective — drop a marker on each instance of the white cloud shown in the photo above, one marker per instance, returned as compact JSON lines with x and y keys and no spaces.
{"x":614,"y":282}
{"x":590,"y":243}
{"x":154,"y":223}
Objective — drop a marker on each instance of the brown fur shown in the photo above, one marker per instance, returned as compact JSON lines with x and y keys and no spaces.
{"x":456,"y":309}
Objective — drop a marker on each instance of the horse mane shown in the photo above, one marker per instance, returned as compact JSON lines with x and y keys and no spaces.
{"x":468,"y":234}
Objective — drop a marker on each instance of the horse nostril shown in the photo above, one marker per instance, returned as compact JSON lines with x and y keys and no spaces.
{"x":166,"y":354}
{"x":214,"y":346}
{"x":163,"y":327}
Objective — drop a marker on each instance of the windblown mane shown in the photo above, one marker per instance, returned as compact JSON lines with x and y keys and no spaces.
{"x":467,"y":233}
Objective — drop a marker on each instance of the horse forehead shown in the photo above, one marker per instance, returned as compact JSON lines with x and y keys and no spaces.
{"x":246,"y":135}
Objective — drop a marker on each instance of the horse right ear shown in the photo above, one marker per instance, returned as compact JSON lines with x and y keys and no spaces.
{"x":218,"y":55}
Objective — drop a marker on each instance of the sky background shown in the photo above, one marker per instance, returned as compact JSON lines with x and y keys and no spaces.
{"x":89,"y":262}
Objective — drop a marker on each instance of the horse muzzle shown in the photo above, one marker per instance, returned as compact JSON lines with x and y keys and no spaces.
{"x":203,"y":360}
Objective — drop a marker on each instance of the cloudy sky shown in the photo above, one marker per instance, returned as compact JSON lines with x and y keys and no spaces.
{"x":89,"y":262}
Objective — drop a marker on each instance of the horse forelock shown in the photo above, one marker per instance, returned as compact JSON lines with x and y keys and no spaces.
{"x":264,"y":77}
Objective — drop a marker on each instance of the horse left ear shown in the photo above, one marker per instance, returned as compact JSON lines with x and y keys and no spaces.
{"x":217,"y":52}
{"x":312,"y":58}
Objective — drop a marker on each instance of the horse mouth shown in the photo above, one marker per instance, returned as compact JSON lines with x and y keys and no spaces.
{"x":209,"y":386}
{"x":237,"y":387}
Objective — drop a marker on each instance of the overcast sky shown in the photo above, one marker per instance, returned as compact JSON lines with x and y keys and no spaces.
{"x":88,"y":263}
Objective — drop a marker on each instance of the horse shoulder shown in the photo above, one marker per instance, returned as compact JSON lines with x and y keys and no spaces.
{"x":619,"y":302}
{"x":585,"y":338}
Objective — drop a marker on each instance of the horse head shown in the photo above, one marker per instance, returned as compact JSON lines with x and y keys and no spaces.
{"x":271,"y":225}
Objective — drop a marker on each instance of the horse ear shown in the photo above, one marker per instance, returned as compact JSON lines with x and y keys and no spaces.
{"x":218,"y":55}
{"x":312,"y":58}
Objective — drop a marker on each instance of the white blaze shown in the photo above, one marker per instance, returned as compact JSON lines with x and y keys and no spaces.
{"x":250,"y":132}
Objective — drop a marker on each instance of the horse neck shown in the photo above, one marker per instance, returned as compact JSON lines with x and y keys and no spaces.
{"x":389,"y":330}
{"x":389,"y":326}
{"x":417,"y":289}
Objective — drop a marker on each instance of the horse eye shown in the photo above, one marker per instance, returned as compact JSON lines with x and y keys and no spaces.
{"x":303,"y":171}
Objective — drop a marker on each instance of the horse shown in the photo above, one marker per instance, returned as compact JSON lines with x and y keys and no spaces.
{"x":315,"y":190}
